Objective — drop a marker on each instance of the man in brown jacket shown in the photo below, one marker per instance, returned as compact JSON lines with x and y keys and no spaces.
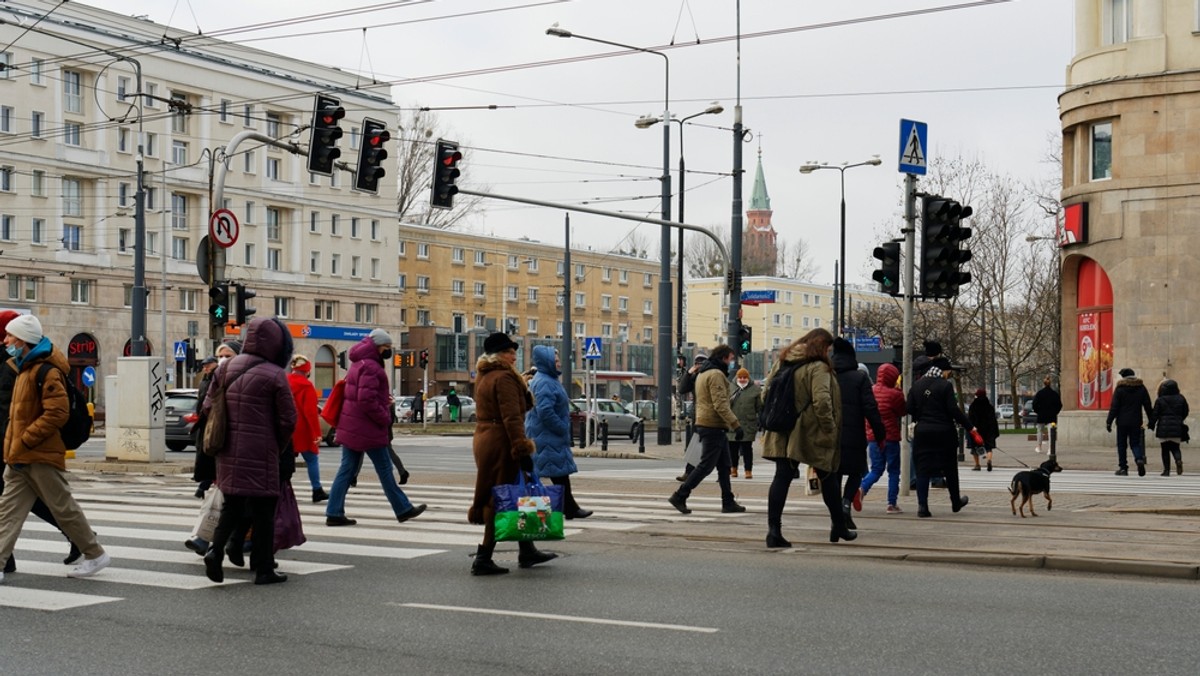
{"x":713,"y":419}
{"x":34,"y":450}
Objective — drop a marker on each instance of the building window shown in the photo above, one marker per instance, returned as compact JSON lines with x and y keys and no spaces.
{"x":423,"y":251}
{"x":1117,"y":21}
{"x":559,"y":268}
{"x":480,"y":258}
{"x":273,"y":168}
{"x":6,"y":62}
{"x":402,"y":282}
{"x":531,"y":295}
{"x":151,"y":148}
{"x":533,"y":265}
{"x":38,"y":232}
{"x":480,"y":320}
{"x":35,"y":124}
{"x":273,"y":125}
{"x":580,"y":299}
{"x":374,"y":230}
{"x":624,"y":277}
{"x":456,"y":255}
{"x":150,"y":95}
{"x":72,"y":91}
{"x":7,"y":227}
{"x":71,"y":134}
{"x":480,"y":289}
{"x":314,"y":221}
{"x":364,"y":313}
{"x":6,"y":116}
{"x":151,"y":243}
{"x":249,"y":257}
{"x":512,"y":293}
{"x":606,"y":302}
{"x":248,"y":166}
{"x":72,"y":199}
{"x":335,"y":225}
{"x":38,"y":187}
{"x":224,"y":114}
{"x":375,"y":268}
{"x":179,"y":248}
{"x":72,"y":236}
{"x":325,"y":310}
{"x":647,"y":335}
{"x":274,"y":228}
{"x":623,"y":304}
{"x":458,"y":287}
{"x":179,"y":118}
{"x":606,"y":274}
{"x":81,"y":291}
{"x":335,"y":264}
{"x":580,"y":329}
{"x":558,"y":328}
{"x":122,"y":140}
{"x":1101,"y":151}
{"x":37,"y":71}
{"x":283,"y":307}
{"x":354,"y":227}
{"x":179,"y":211}
{"x":314,"y":262}
{"x":422,"y":284}
{"x":248,"y":115}
{"x":606,"y":330}
{"x":355,"y":267}
{"x":274,"y":259}
{"x":647,"y":280}
{"x":187,"y":300}
{"x":124,"y":240}
{"x":249,"y":217}
{"x":403,"y":248}
{"x":22,"y":288}
{"x":422,"y":317}
{"x":6,"y":176}
{"x":579,"y":272}
{"x":647,"y":307}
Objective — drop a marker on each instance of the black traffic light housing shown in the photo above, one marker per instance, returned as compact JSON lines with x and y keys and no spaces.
{"x":371,"y":155}
{"x":424,"y":358}
{"x":888,"y":274}
{"x":342,"y":361}
{"x":322,"y":141}
{"x":218,"y":308}
{"x":445,"y":173}
{"x":242,"y":309}
{"x":745,"y":341}
{"x":942,"y":257}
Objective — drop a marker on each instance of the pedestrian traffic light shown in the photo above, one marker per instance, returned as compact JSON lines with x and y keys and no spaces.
{"x":342,"y":361}
{"x":941,"y":256}
{"x":218,"y":309}
{"x":322,"y":141}
{"x":242,"y":307}
{"x":888,"y":274}
{"x":371,"y":155}
{"x":445,"y":173}
{"x":745,"y":339}
{"x":424,"y":358}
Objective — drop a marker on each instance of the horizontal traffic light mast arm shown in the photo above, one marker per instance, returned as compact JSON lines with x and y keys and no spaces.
{"x":231,"y":148}
{"x":611,"y":214}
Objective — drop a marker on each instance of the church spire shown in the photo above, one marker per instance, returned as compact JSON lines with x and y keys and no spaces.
{"x":759,"y":200}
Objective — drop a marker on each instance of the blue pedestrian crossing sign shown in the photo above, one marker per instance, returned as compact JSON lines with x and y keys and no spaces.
{"x":914,"y":146}
{"x":181,"y":350}
{"x":592,"y":347}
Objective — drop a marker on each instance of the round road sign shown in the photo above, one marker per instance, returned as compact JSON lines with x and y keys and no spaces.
{"x":223,"y":228}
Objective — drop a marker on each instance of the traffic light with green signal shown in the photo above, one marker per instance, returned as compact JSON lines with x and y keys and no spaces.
{"x":888,"y":274}
{"x":218,"y":309}
{"x":745,"y":339}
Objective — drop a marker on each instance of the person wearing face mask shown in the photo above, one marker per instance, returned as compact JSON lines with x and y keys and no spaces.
{"x":364,"y":427}
{"x":932,"y":406}
{"x":204,"y":471}
{"x":746,"y":404}
{"x":714,"y":419}
{"x":34,"y":450}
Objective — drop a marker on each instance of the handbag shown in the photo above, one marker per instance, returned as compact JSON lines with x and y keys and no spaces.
{"x":1184,"y":437}
{"x":218,"y":417}
{"x":694,"y":451}
{"x":527,"y":510}
{"x":210,"y":514}
{"x":289,"y":532}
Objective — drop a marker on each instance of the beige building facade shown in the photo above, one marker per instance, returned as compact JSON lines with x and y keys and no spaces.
{"x":318,"y":255}
{"x":1131,"y":197}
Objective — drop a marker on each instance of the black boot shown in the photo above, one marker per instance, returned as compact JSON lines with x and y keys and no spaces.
{"x":849,"y":522}
{"x":775,"y":537}
{"x":234,"y":551}
{"x":840,"y":531}
{"x":212,"y":565}
{"x":10,"y":566}
{"x":319,"y":495}
{"x":484,"y":565}
{"x":531,"y":556}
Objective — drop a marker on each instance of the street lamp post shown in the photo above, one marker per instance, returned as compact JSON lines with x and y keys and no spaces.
{"x":839,"y":310}
{"x":645,"y":122}
{"x":664,"y":287}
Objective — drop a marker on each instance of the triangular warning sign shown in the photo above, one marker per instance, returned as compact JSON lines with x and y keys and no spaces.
{"x":913,"y":154}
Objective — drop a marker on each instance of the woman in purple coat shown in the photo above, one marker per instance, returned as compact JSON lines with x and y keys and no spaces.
{"x":261,"y":415}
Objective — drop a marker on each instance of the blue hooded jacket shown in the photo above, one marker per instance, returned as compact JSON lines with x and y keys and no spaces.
{"x":549,"y":423}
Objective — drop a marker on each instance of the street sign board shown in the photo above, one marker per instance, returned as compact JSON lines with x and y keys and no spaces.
{"x":181,"y":350}
{"x":873,"y":344}
{"x":592,"y":347}
{"x":914,"y":147}
{"x":223,"y":228}
{"x":89,"y":376}
{"x":758,"y":296}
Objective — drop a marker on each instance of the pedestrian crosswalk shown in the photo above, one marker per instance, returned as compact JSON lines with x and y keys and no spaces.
{"x":142,"y":523}
{"x":1091,"y":482}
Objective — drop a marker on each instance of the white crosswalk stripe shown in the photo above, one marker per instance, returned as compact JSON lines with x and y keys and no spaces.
{"x":1092,"y":482}
{"x":143,"y":525}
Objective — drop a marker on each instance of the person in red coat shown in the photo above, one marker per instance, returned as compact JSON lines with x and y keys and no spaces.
{"x":306,"y":439}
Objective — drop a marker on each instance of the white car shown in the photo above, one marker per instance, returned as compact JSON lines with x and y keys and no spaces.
{"x":1004,"y":412}
{"x":436,"y":405}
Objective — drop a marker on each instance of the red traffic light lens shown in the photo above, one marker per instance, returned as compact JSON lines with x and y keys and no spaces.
{"x":452,"y":158}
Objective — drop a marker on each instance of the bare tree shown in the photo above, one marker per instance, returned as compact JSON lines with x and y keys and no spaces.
{"x":702,"y":257}
{"x":415,"y":147}
{"x":795,"y":260}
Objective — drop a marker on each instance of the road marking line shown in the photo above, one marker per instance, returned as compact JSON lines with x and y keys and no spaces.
{"x":562,"y":618}
{"x":132,"y":576}
{"x":43,"y":599}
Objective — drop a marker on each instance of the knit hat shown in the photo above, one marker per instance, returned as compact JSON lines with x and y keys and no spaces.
{"x":6,"y":317}
{"x":700,"y":356}
{"x":743,"y":373}
{"x":1125,"y":372}
{"x":301,"y":364}
{"x":208,"y":360}
{"x":235,"y":345}
{"x":932,"y":348}
{"x":981,"y":392}
{"x":26,"y":328}
{"x":498,"y":342}
{"x":380,"y":337}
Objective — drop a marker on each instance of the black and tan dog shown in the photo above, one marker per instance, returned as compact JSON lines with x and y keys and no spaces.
{"x":1031,"y":482}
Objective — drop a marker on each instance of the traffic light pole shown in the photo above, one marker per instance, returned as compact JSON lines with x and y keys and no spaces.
{"x":910,"y":231}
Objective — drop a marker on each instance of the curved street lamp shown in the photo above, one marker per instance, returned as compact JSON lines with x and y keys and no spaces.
{"x":839,"y":310}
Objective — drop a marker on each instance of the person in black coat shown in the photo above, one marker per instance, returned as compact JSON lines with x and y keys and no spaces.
{"x":8,"y":379}
{"x":982,"y":415}
{"x":1047,"y":403}
{"x":858,"y":410}
{"x":1129,"y":399}
{"x":1170,"y":409}
{"x":932,"y":407}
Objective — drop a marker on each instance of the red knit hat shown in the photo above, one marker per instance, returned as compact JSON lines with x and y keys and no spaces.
{"x":6,"y":317}
{"x":301,"y":364}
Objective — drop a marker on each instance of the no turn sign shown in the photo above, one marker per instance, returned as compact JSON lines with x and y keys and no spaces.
{"x":223,"y":228}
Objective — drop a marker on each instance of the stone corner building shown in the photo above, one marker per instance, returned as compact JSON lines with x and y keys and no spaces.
{"x":1131,"y":177}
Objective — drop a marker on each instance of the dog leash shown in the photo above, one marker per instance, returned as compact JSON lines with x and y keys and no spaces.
{"x":1022,"y":463}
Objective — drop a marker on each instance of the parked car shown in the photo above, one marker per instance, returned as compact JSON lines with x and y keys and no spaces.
{"x":1028,"y":417}
{"x":620,"y":421}
{"x":404,"y":412}
{"x":1004,"y":412}
{"x":646,"y":409}
{"x":181,"y":417}
{"x":434,"y":405}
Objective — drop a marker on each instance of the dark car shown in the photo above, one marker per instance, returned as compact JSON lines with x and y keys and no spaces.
{"x":181,"y":417}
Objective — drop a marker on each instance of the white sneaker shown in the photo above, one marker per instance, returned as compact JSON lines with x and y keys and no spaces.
{"x":90,"y":567}
{"x":1037,"y":449}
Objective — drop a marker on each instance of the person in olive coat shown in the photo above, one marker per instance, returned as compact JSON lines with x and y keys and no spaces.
{"x":746,"y":402}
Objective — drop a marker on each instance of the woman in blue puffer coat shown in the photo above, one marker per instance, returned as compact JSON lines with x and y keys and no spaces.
{"x":548,"y":424}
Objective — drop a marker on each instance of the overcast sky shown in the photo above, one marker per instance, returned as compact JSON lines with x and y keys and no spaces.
{"x":829,"y":82}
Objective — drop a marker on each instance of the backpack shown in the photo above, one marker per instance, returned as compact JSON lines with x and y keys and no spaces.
{"x":779,"y":412}
{"x":333,"y":405}
{"x":78,"y":427}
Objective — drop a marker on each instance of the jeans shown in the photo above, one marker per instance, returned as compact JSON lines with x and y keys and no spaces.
{"x":888,"y":458}
{"x":1134,"y":438}
{"x":313,"y":467}
{"x":351,"y":461}
{"x":714,"y":454}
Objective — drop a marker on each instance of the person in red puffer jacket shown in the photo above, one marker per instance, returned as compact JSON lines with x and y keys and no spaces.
{"x":306,"y":439}
{"x":890,"y":400}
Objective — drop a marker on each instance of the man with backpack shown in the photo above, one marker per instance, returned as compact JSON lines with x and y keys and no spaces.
{"x":34,"y":449}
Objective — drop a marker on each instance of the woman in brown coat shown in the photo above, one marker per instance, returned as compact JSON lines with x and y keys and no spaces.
{"x":500,"y":446}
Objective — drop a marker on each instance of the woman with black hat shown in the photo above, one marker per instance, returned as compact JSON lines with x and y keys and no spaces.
{"x":933,"y":409}
{"x":500,"y":446}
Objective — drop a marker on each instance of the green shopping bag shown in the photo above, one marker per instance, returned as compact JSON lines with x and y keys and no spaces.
{"x":527,"y":510}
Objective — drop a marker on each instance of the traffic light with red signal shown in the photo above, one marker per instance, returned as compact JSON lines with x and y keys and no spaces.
{"x":445,"y":173}
{"x":322,"y":141}
{"x":371,"y":155}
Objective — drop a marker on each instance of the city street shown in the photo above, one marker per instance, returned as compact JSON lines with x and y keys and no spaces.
{"x":639,"y":588}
